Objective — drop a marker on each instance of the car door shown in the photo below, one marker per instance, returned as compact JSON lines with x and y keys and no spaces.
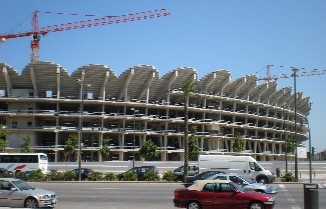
{"x":207,"y":196}
{"x":226,"y":197}
{"x":9,"y":197}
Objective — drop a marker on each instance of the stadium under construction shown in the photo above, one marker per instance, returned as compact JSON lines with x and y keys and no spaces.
{"x":47,"y":104}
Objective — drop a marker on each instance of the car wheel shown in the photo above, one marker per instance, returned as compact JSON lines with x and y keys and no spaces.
{"x":256,"y":205}
{"x":194,"y":205}
{"x":262,"y":180}
{"x":31,"y":203}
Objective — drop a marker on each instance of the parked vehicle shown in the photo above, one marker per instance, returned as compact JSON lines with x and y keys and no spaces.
{"x":245,"y":166}
{"x":85,"y":173}
{"x":192,"y":171}
{"x":5,"y":173}
{"x":220,"y":194}
{"x":140,"y":171}
{"x":246,"y":184}
{"x":203,"y":175}
{"x":17,"y":193}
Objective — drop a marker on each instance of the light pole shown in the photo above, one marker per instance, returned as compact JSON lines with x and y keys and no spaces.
{"x":283,"y":127}
{"x":81,"y":108}
{"x":295,"y":70}
{"x":134,"y":141}
{"x":310,"y":151}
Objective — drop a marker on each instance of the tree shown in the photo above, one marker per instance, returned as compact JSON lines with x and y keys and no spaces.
{"x":238,"y":143}
{"x":188,"y":88}
{"x":193,"y":142}
{"x":25,"y":146}
{"x":70,"y":147}
{"x":148,"y":150}
{"x":289,"y":145}
{"x":105,"y":150}
{"x":3,"y":142}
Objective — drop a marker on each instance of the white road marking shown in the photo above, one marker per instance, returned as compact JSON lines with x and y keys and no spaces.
{"x":292,"y":201}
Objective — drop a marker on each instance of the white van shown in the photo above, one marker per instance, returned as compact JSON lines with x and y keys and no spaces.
{"x":243,"y":165}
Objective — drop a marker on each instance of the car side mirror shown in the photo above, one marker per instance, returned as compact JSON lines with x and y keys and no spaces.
{"x":13,"y":189}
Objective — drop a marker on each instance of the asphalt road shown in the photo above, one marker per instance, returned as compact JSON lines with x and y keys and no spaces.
{"x":138,"y":195}
{"x":318,"y":167}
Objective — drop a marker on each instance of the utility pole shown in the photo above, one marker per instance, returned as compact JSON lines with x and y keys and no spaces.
{"x":295,"y":70}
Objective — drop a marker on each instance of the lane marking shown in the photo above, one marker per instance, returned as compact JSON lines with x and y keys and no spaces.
{"x":293,"y":203}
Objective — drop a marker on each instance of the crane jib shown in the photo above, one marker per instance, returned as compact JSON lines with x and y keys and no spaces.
{"x":105,"y":21}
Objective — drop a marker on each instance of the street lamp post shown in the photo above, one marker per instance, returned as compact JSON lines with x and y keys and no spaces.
{"x":295,"y":70}
{"x":286,"y":155}
{"x":134,"y":141}
{"x":81,"y":108}
{"x":310,"y":151}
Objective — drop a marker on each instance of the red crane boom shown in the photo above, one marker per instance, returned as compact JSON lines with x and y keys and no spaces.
{"x":36,"y":33}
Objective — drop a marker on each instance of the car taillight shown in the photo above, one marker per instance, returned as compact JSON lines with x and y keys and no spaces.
{"x":176,"y":194}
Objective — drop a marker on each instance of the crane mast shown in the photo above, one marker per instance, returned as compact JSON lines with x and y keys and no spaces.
{"x":35,"y":42}
{"x":36,"y":33}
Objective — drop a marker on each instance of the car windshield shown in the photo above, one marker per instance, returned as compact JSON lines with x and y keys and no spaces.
{"x":241,"y":189}
{"x":21,"y":185}
{"x":246,"y":180}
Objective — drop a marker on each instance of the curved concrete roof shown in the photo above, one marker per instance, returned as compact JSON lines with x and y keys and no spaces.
{"x":143,"y":82}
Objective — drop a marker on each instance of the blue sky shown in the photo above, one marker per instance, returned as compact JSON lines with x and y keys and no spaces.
{"x":242,"y":36}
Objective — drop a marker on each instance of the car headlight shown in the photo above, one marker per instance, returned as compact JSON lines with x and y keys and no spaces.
{"x":270,"y":199}
{"x":44,"y":197}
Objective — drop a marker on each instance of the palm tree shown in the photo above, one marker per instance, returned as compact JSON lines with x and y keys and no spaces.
{"x":188,"y":88}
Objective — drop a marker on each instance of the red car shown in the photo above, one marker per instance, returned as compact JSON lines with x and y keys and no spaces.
{"x":215,"y":194}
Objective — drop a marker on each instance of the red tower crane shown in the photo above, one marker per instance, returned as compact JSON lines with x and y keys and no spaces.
{"x":36,"y":32}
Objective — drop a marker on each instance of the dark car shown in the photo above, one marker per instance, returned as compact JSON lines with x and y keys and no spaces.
{"x":140,"y":171}
{"x":85,"y":173}
{"x":192,"y":171}
{"x":5,"y":173}
{"x":220,"y":194}
{"x":203,"y":175}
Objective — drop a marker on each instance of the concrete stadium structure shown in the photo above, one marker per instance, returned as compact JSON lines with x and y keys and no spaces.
{"x":44,"y":103}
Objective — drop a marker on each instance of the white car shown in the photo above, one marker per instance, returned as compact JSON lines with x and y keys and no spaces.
{"x":246,"y":184}
{"x":17,"y":193}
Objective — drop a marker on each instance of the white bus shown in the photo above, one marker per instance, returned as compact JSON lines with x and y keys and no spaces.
{"x":24,"y":162}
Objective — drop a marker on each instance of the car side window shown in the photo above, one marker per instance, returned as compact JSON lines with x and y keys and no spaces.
{"x":252,"y":165}
{"x":221,"y":177}
{"x":225,"y":188}
{"x":5,"y":185}
{"x":210,"y":187}
{"x":236,"y":179}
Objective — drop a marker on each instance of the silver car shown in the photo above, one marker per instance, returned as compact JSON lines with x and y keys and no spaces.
{"x":17,"y":193}
{"x":247,"y":184}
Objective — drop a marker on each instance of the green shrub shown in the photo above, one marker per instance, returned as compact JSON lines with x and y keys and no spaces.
{"x":130,"y":176}
{"x":96,"y":176}
{"x":36,"y":175}
{"x":110,"y":177}
{"x":288,"y":177}
{"x":54,"y":175}
{"x":69,"y":175}
{"x":170,"y":176}
{"x":21,"y":175}
{"x":151,"y":176}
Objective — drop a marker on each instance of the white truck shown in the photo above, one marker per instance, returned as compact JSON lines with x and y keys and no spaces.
{"x":245,"y":166}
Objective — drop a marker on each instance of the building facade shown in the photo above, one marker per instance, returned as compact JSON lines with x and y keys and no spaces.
{"x":47,"y":104}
